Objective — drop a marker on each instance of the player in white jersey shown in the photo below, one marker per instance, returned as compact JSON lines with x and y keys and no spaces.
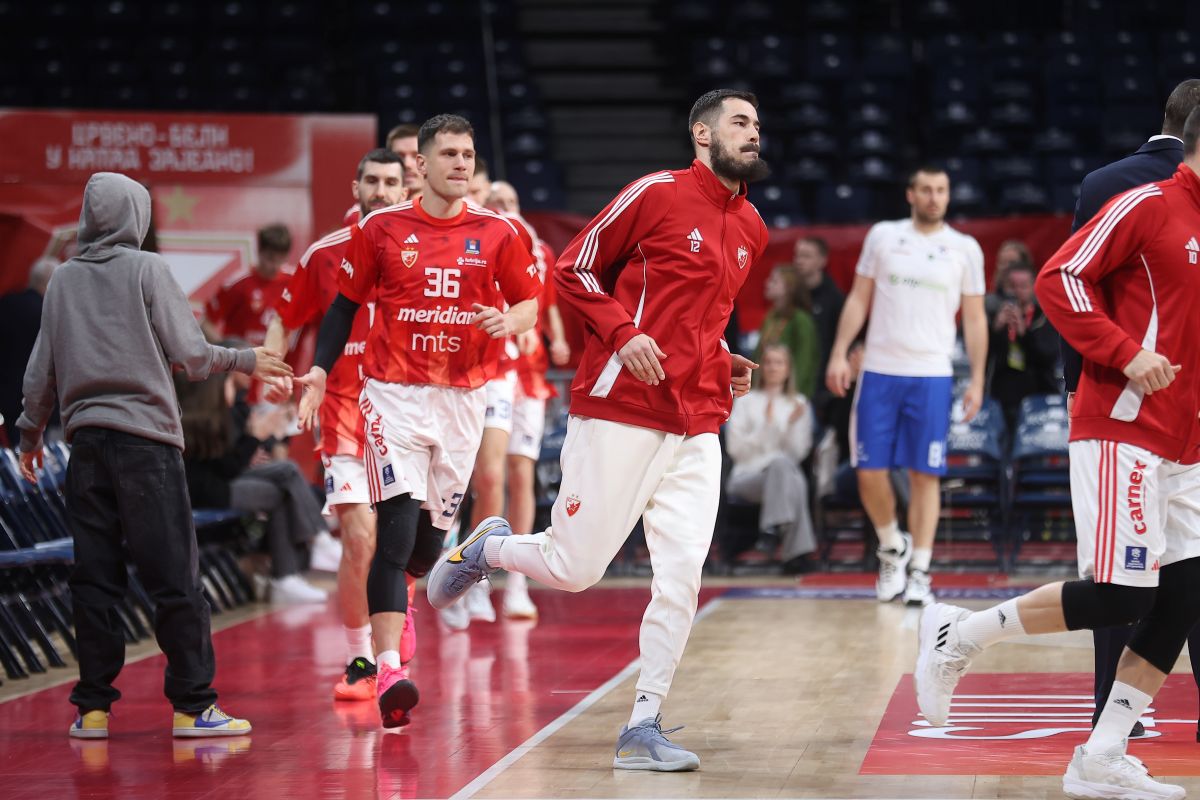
{"x":912,"y":276}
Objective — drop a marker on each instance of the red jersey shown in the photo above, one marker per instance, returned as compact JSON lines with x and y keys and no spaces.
{"x":665,"y":258}
{"x":426,"y":274}
{"x":243,"y":308}
{"x":1129,"y":280}
{"x":531,"y":368}
{"x":307,"y":297}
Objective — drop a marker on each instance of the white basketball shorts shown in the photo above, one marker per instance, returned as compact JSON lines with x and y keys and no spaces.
{"x":345,"y":480}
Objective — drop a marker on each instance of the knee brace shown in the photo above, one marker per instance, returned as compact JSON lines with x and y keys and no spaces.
{"x":1160,"y":636}
{"x":427,"y":548}
{"x":396,"y":528}
{"x":1087,"y":604}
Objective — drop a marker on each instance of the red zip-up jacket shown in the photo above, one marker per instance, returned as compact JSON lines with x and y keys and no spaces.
{"x":1128,"y":280}
{"x":665,"y":258}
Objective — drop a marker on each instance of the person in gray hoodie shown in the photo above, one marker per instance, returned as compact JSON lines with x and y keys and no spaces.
{"x":114,"y":321}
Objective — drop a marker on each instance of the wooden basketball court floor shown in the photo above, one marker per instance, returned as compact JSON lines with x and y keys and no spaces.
{"x":786,"y":690}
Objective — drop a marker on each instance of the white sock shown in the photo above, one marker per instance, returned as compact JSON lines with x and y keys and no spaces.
{"x":389,"y":657}
{"x":995,"y":624}
{"x":1125,"y":706}
{"x":358,"y":643}
{"x":889,"y":536}
{"x":645,"y":706}
{"x":515,"y":582}
{"x":920,"y":558}
{"x":491,"y":550}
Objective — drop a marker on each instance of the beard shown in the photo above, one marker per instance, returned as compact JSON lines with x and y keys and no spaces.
{"x":926,"y":218}
{"x":725,"y":165}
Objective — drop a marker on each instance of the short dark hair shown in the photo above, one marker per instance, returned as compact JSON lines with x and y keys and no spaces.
{"x":1020,"y":266}
{"x":925,"y":169}
{"x":274,"y":238}
{"x":817,"y":242}
{"x":403,"y":131}
{"x":442,"y":123}
{"x":704,"y":109}
{"x":481,"y":166}
{"x":1191,"y":132}
{"x":379,"y":155}
{"x":1184,"y":98}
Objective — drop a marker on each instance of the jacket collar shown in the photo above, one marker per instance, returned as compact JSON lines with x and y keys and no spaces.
{"x":712,"y":188}
{"x":1190,"y":183}
{"x":1159,"y":145}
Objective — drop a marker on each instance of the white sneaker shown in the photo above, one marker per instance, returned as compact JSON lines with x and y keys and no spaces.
{"x":455,"y":616}
{"x":294,"y":589}
{"x":892,"y":566}
{"x":478,"y":601}
{"x":919,"y":591}
{"x":942,"y":659}
{"x":326,"y":553}
{"x":1110,"y":774}
{"x":518,"y":605}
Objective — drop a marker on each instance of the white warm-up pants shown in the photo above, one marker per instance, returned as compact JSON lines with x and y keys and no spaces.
{"x":612,"y":474}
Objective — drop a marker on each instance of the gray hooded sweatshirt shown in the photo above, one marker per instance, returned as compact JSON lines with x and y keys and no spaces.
{"x":113,"y":321}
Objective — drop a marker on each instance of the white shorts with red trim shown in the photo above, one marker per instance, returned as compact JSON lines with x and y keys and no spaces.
{"x":500,"y":395}
{"x":345,"y":480}
{"x":1135,"y":512}
{"x":528,"y":424}
{"x":422,"y":440}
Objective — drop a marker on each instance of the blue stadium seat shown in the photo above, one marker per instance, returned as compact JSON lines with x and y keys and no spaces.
{"x":1024,"y":197}
{"x":1011,"y":168}
{"x":873,"y":170}
{"x":870,"y":115}
{"x":1069,"y":169}
{"x":843,"y":202}
{"x":805,"y":118}
{"x":806,"y":171}
{"x":885,"y":56}
{"x":1054,"y":140}
{"x":955,"y":115}
{"x":801,"y":93}
{"x":1064,"y":197}
{"x":871,"y":142}
{"x":984,"y":141}
{"x":829,"y":56}
{"x":1013,"y":90}
{"x":967,"y":197}
{"x":962,"y":169}
{"x":1012,"y":116}
{"x":814,"y":143}
{"x":774,"y":199}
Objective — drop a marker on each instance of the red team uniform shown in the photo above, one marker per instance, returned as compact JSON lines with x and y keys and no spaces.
{"x":1124,"y":282}
{"x":425,"y":362}
{"x":243,"y":308}
{"x":307,"y":297}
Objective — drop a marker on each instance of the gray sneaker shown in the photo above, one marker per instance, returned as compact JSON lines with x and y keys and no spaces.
{"x":645,"y":746}
{"x":464,"y":566}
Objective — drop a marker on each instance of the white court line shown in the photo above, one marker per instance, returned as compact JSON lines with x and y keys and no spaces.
{"x":495,"y":770}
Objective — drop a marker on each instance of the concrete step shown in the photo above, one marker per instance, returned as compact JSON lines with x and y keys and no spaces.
{"x":557,"y":18}
{"x":584,"y":120}
{"x":593,"y":53}
{"x":612,"y":175}
{"x":583,"y":149}
{"x":637,"y":87}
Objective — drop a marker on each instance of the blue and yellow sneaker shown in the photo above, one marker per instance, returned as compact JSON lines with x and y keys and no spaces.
{"x":90,"y":725}
{"x":464,"y":566}
{"x":212,"y":721}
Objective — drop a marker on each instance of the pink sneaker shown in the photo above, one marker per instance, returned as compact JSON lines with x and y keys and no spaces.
{"x":408,"y":638}
{"x":397,"y":696}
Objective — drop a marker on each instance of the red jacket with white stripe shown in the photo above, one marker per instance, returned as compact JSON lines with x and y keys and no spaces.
{"x":1128,"y":280}
{"x":665,"y":258}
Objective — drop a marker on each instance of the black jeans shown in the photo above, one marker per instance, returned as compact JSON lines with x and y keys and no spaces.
{"x":126,"y":491}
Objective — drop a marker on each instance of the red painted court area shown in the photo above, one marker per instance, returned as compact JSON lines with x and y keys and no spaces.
{"x":483,"y":692}
{"x":1025,"y":724}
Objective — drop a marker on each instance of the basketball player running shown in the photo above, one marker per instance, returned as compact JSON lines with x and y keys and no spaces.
{"x":654,"y":276}
{"x":1122,"y":291}
{"x":433,"y":266}
{"x":379,"y":183}
{"x":912,"y":276}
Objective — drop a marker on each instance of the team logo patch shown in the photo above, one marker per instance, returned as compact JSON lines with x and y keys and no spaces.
{"x":572,"y":505}
{"x":472,"y":248}
{"x":409,"y":256}
{"x":1135,"y":558}
{"x":328,"y":484}
{"x":389,"y":475}
{"x":743,"y":256}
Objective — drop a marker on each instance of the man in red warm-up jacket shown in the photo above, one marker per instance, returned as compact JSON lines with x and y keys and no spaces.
{"x":1123,"y":291}
{"x":655,"y":276}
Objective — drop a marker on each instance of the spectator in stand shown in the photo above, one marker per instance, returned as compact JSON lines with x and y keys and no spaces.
{"x":243,"y":308}
{"x":1023,"y":352}
{"x":790,"y":322}
{"x":1012,"y":251}
{"x":20,"y":320}
{"x":228,"y":466}
{"x":809,"y":257}
{"x":769,"y":433}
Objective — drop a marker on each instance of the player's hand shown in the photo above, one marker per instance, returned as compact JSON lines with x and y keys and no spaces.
{"x":972,"y":401}
{"x":1151,"y":372}
{"x":739,"y":376}
{"x":837,"y":375}
{"x":31,"y":462}
{"x":492,"y":321}
{"x":527,"y":342}
{"x":314,"y":395}
{"x":269,"y":364}
{"x":278,"y":390}
{"x":642,"y":358}
{"x":560,"y":352}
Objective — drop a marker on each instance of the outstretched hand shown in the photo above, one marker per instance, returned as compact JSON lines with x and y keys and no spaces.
{"x":739,"y":379}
